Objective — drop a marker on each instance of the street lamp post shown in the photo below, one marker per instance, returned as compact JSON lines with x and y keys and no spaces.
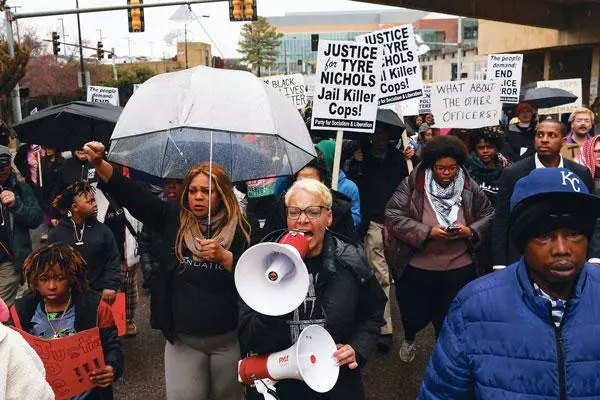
{"x":84,"y":83}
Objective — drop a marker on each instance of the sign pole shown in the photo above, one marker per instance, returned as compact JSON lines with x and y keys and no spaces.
{"x":337,"y":158}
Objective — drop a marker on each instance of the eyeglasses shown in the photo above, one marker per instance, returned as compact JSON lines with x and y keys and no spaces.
{"x":312,"y":212}
{"x":451,"y":169}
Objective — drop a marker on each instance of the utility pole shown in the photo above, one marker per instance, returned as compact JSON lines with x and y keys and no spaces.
{"x":62,"y":22}
{"x":16,"y":97}
{"x":459,"y":50}
{"x":99,"y":30}
{"x":186,"y":47}
{"x":114,"y":64}
{"x":17,"y":24}
{"x":81,"y":66}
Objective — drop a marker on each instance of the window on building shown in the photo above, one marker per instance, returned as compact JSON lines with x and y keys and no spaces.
{"x":454,"y":71}
{"x":430,"y":67}
{"x":424,"y":73}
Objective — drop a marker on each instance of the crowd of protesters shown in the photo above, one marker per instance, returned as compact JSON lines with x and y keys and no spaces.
{"x":484,"y":232}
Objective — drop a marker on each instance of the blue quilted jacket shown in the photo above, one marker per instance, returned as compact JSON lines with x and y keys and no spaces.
{"x":499,"y":342}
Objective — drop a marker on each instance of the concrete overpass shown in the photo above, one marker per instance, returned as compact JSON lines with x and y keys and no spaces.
{"x":554,"y":14}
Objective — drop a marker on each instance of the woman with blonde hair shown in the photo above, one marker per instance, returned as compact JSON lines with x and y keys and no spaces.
{"x":194,"y":300}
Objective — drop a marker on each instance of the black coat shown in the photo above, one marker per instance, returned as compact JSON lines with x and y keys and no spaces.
{"x":162,"y":217}
{"x":503,"y":250}
{"x":99,"y":250}
{"x":353,"y":305}
{"x":86,"y":317}
{"x":517,"y":138}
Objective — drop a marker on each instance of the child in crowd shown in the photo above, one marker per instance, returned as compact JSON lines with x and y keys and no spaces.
{"x":61,"y":304}
{"x":80,"y":228}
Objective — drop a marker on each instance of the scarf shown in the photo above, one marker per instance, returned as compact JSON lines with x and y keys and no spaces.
{"x":446,"y":201}
{"x":481,"y":173}
{"x":226,"y":231}
{"x":586,"y":155}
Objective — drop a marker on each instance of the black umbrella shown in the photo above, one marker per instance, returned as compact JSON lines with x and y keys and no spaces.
{"x":387,"y":121}
{"x":545,"y":97}
{"x":69,"y":126}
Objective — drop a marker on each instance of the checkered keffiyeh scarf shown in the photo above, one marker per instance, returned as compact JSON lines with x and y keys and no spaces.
{"x":586,"y":155}
{"x":446,"y":201}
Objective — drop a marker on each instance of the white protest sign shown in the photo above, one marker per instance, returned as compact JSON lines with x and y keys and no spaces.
{"x":401,"y":75}
{"x":291,"y":86}
{"x":136,"y":86}
{"x":467,"y":104}
{"x":570,"y":85}
{"x":347,"y":86}
{"x":506,"y":69}
{"x":103,"y":94}
{"x":417,"y":105}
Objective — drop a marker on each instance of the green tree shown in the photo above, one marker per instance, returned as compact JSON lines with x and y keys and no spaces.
{"x":129,"y":76}
{"x":259,"y":44}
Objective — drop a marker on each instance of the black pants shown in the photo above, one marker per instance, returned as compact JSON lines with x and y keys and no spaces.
{"x":424,"y":296}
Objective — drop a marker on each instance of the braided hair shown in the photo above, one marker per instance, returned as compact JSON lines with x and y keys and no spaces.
{"x":56,"y":255}
{"x":65,"y":200}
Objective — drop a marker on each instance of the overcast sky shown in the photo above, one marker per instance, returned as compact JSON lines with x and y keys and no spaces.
{"x":152,"y":42}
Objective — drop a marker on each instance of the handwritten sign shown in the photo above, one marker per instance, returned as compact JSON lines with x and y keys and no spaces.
{"x":347,"y":91}
{"x":570,"y":85}
{"x":118,"y":311}
{"x":69,"y":361}
{"x":401,"y":72}
{"x":103,"y":94}
{"x":467,"y":104}
{"x":506,"y":69}
{"x":291,"y":86}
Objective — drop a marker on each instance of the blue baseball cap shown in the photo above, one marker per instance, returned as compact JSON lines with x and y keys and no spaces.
{"x":558,"y":183}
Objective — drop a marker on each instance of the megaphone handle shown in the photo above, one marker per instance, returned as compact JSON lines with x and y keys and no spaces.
{"x":266,"y":388}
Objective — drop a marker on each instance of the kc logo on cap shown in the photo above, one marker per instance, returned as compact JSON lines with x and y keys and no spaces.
{"x":572,"y":179}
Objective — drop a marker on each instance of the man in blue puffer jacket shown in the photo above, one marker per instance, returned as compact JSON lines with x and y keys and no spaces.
{"x":531,"y":330}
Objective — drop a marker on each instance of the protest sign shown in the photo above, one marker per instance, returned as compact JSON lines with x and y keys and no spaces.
{"x":401,"y":73}
{"x":347,"y":89}
{"x":467,"y":104}
{"x":291,"y":86}
{"x":417,"y":105}
{"x":118,"y":311}
{"x":103,"y":94}
{"x":69,"y":361}
{"x":261,"y":187}
{"x":570,"y":85}
{"x":506,"y":69}
{"x":136,"y":86}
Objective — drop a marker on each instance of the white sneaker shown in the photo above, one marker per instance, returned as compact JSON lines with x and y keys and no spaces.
{"x":408,"y":351}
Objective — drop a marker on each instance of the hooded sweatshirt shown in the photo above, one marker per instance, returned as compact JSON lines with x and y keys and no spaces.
{"x":99,"y":250}
{"x":345,"y":185}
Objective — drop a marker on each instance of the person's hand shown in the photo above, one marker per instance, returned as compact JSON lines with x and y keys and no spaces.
{"x":103,"y":377}
{"x":94,"y":152}
{"x":108,"y":295}
{"x":464,"y":233}
{"x":53,"y":222}
{"x":8,"y":198}
{"x":358,"y":155}
{"x":439,"y":232}
{"x":211,"y":249}
{"x":345,"y":355}
{"x":409,"y":153}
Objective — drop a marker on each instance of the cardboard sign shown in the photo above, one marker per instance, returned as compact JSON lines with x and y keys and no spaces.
{"x":103,"y":94}
{"x":417,"y":105}
{"x":570,"y":85}
{"x":291,"y":86}
{"x":118,"y":311}
{"x":506,"y":69}
{"x":347,"y":90}
{"x":68,"y":361}
{"x":467,"y":104}
{"x":401,"y":71}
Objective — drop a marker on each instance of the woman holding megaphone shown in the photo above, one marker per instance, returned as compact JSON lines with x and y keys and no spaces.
{"x":194,"y":300}
{"x":343,"y":297}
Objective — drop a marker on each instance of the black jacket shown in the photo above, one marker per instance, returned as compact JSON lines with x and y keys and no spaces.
{"x":341,"y":210}
{"x":99,"y":250}
{"x":162,"y":217}
{"x":517,"y":138}
{"x":353,"y":305}
{"x":376,"y":180}
{"x":50,"y":176}
{"x":86,"y":317}
{"x":503,"y":250}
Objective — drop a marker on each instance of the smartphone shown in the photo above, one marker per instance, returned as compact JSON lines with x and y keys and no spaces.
{"x":452,"y":229}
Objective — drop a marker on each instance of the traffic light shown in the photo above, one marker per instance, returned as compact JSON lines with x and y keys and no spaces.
{"x":314,"y":42}
{"x":136,"y":17}
{"x":55,"y":43}
{"x":100,"y":51}
{"x":242,"y":10}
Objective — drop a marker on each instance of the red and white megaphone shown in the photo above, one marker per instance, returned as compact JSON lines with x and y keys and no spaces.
{"x":310,"y":360}
{"x":271,"y":278}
